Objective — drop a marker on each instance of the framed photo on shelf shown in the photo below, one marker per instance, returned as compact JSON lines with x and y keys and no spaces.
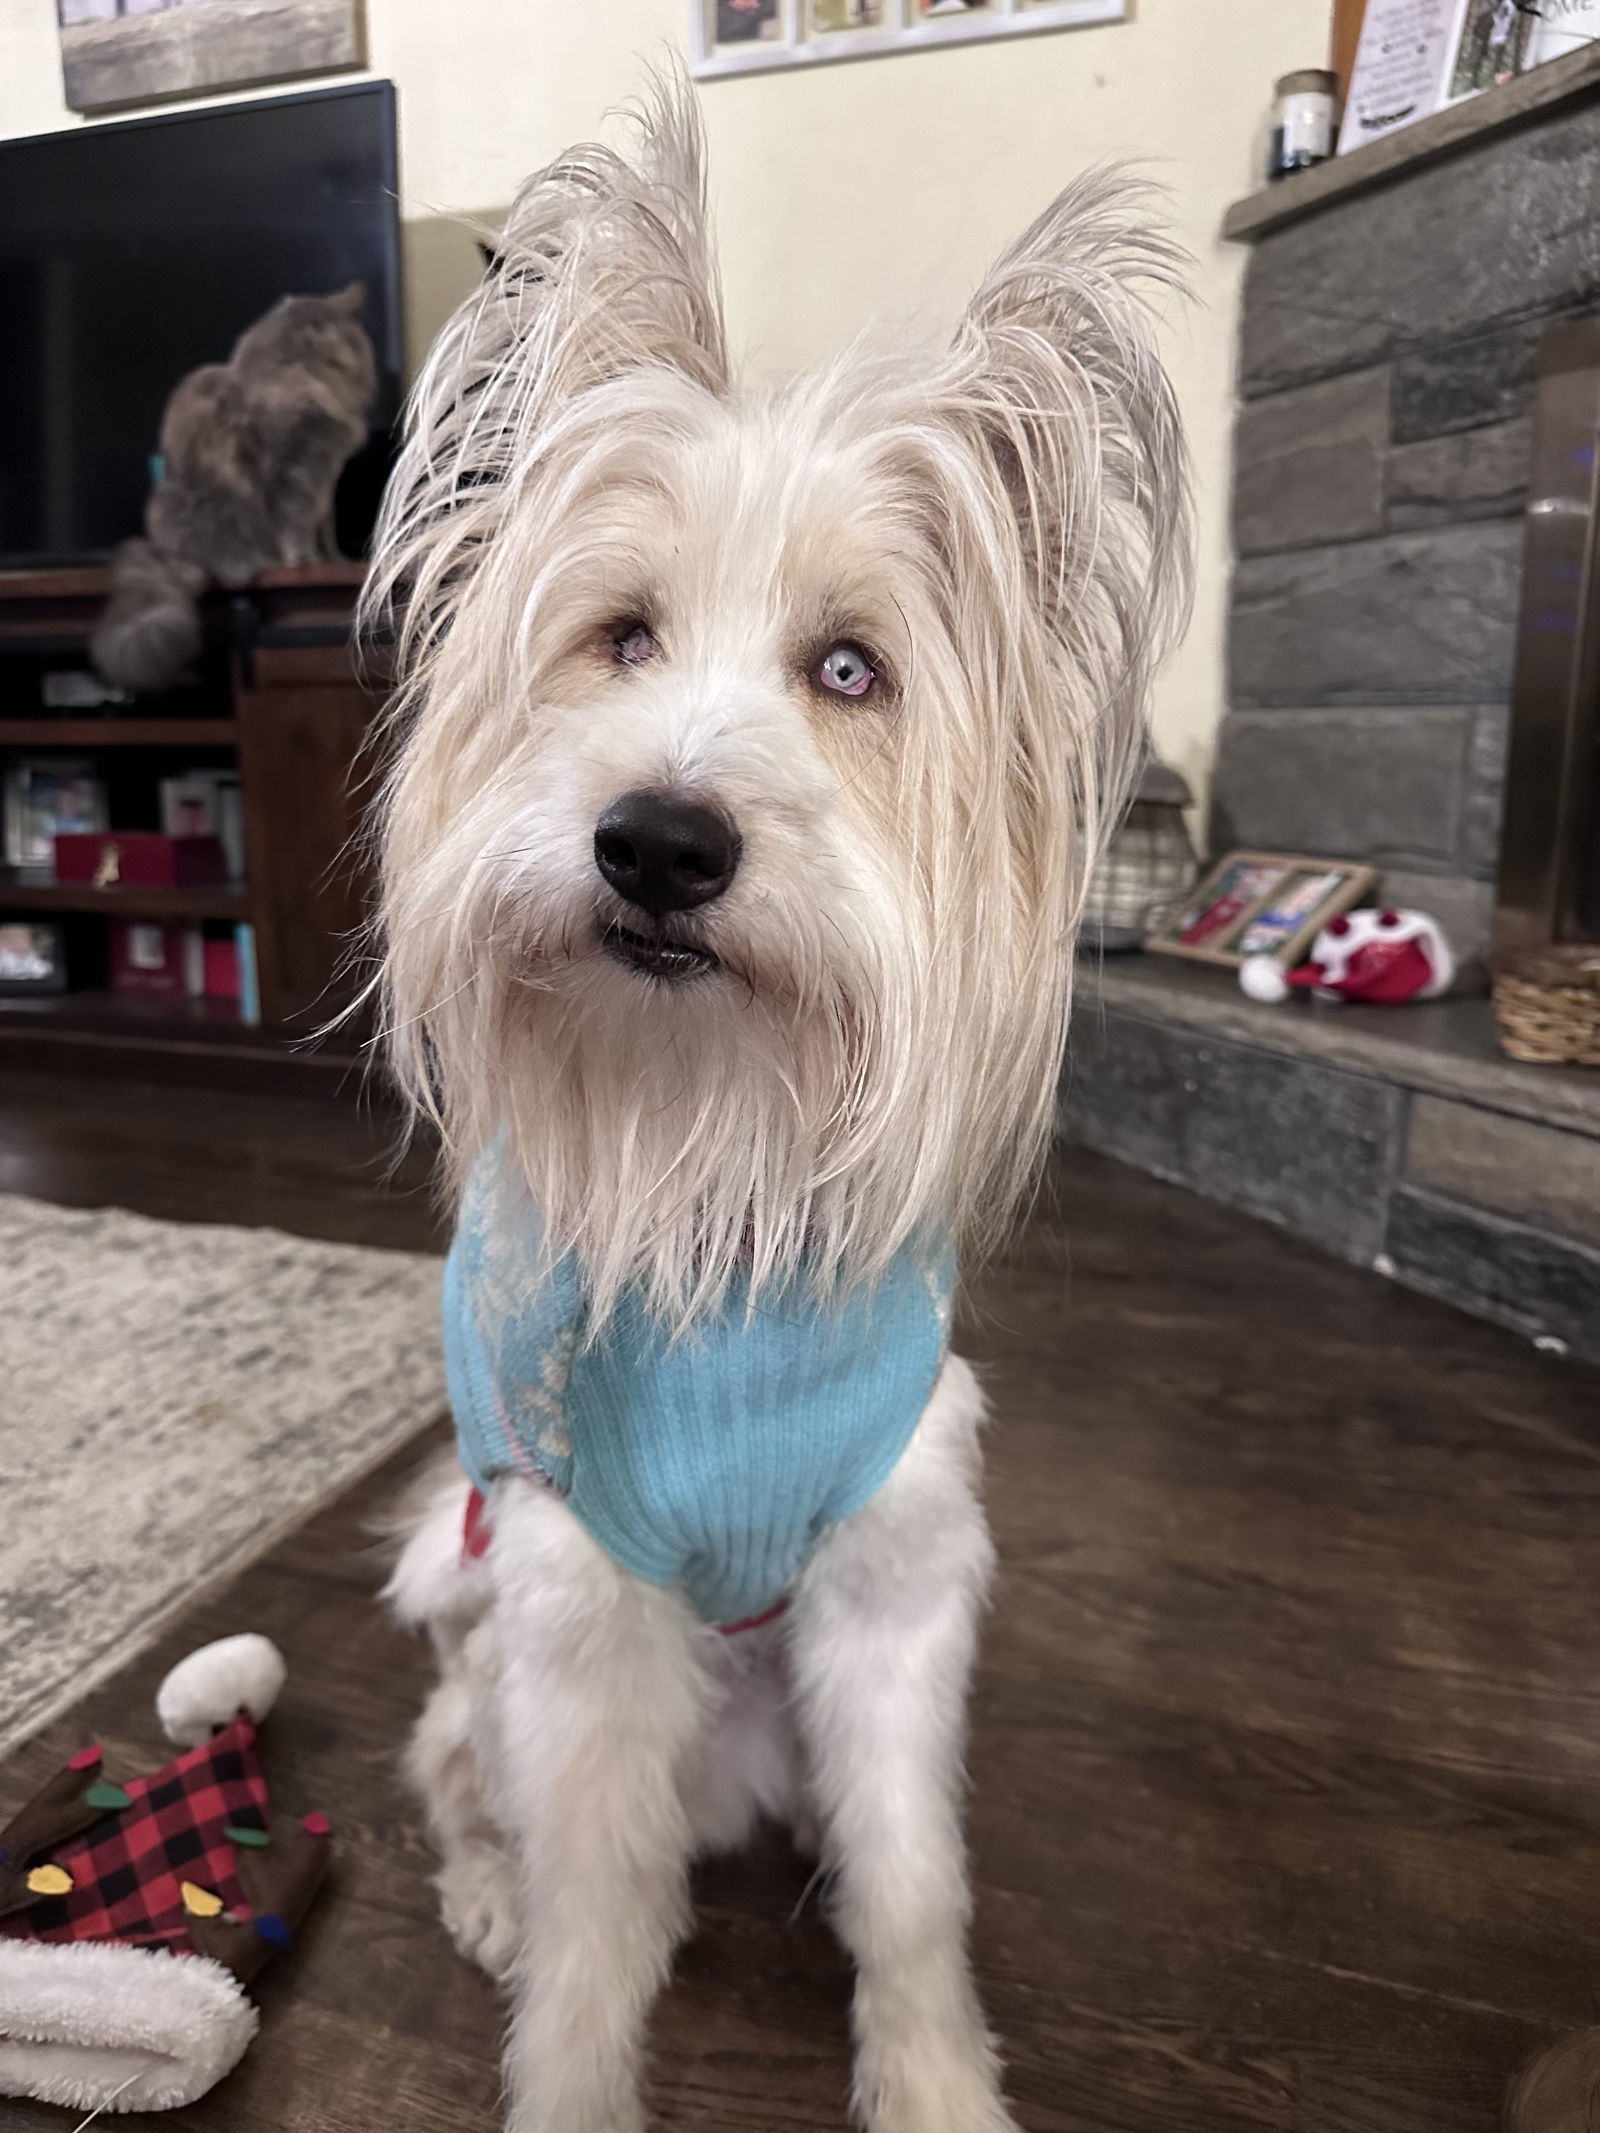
{"x":757,"y":36}
{"x":46,"y":799}
{"x":1261,"y":903}
{"x":33,"y":956}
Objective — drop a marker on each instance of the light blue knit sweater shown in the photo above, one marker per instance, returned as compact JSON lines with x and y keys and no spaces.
{"x":712,"y":1462}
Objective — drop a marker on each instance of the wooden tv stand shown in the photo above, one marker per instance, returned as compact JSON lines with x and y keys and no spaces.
{"x":277,"y":695}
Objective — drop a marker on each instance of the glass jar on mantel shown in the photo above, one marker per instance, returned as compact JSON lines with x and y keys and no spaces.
{"x":1304,"y":122}
{"x":1149,"y":865}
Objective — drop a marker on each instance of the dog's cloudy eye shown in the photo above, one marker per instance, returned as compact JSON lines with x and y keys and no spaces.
{"x":847,"y":671}
{"x":634,"y":644}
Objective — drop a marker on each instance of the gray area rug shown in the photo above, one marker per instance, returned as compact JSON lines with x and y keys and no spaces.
{"x":173,"y":1398}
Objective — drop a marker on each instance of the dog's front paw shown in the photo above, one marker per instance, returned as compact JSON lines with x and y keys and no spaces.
{"x":938,"y":2087}
{"x":478,"y":1903}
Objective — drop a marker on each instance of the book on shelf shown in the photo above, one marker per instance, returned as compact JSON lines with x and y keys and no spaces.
{"x":249,"y":983}
{"x":219,"y":965}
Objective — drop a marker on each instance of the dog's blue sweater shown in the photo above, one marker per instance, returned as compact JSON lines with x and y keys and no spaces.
{"x":713,"y":1461}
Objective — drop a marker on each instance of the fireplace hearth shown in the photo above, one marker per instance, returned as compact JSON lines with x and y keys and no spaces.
{"x":1414,"y":682}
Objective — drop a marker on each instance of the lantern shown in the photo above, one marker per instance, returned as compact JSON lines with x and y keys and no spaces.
{"x":1148,"y":865}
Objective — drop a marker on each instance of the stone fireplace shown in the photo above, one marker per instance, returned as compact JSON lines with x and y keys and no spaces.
{"x":1409,"y":310}
{"x":1389,"y":373}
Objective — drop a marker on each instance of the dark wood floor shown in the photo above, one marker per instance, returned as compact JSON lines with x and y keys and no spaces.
{"x":1287,"y":1737}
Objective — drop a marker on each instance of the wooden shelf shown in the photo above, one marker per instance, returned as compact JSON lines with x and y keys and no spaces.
{"x":219,"y":900}
{"x":302,"y":711}
{"x":87,"y":581}
{"x":1510,"y":105}
{"x":201,"y":1042}
{"x":118,"y":733}
{"x":92,"y":580}
{"x":88,"y":1013}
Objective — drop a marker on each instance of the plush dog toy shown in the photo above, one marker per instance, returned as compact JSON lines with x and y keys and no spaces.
{"x":133,"y":1914}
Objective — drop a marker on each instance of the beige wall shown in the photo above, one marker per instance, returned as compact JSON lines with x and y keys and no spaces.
{"x":845,"y":192}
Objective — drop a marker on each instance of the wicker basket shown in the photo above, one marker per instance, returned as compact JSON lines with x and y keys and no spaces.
{"x":1547,"y":1004}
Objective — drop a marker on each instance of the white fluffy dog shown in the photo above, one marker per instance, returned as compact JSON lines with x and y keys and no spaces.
{"x":752,"y":750}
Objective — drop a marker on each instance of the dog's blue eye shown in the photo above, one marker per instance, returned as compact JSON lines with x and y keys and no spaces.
{"x":847,"y":671}
{"x":634,"y":645}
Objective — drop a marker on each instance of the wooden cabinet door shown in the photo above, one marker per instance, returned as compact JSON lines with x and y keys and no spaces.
{"x":304,"y":720}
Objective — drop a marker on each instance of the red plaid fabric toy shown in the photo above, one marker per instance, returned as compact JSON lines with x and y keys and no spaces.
{"x":129,"y":1872}
{"x":132,"y":1915}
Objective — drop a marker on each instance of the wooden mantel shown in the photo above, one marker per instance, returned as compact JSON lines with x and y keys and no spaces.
{"x":1559,"y":82}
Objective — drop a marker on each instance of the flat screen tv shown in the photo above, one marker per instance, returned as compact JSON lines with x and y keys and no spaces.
{"x":131,"y":252}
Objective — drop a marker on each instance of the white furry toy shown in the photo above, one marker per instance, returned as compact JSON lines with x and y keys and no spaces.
{"x":752,"y":749}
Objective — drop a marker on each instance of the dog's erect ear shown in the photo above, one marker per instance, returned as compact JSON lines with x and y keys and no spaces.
{"x":604,"y":266}
{"x":1056,"y":381}
{"x":604,"y":262}
{"x":1059,"y":352}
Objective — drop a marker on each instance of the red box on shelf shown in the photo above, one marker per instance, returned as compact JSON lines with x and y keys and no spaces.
{"x":140,"y":859}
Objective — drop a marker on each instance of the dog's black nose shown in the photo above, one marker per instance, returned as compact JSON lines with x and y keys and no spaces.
{"x":665,"y":854}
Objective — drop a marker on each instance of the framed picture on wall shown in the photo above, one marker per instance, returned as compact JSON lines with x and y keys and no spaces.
{"x":741,"y":22}
{"x":758,"y":36}
{"x":119,"y":53}
{"x":1261,"y":903}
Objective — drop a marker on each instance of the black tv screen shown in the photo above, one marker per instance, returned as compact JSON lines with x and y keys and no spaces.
{"x":129,"y":253}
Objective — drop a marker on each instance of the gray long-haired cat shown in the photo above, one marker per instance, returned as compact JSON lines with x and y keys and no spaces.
{"x":253,"y":449}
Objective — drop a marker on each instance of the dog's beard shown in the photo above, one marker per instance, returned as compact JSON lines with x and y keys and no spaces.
{"x":679,"y":1133}
{"x":681,"y":1139}
{"x":717,"y":1094}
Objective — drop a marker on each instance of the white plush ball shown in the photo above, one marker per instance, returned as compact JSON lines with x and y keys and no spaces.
{"x":1261,"y":977}
{"x":208,"y":1688}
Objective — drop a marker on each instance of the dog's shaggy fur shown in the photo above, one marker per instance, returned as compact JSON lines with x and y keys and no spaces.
{"x":612,"y":569}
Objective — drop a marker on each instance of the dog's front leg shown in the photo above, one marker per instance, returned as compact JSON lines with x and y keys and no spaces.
{"x":882,"y":1640}
{"x":602,"y":1695}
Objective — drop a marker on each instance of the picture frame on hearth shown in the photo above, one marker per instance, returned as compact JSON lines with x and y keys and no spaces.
{"x":1261,"y":903}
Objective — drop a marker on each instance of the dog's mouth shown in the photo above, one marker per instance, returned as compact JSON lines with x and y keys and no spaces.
{"x":653,"y":957}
